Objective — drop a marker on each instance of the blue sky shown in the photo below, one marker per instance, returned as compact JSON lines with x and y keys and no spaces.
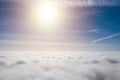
{"x":84,"y":25}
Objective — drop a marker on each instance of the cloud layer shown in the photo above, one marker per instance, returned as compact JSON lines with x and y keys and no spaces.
{"x":59,"y":66}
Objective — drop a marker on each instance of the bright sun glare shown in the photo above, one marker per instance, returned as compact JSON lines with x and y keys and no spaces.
{"x":47,"y":13}
{"x":46,"y":16}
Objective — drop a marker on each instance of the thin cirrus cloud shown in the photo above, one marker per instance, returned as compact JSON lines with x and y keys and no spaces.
{"x":93,"y":30}
{"x":107,"y":37}
{"x":90,"y":2}
{"x":73,"y":2}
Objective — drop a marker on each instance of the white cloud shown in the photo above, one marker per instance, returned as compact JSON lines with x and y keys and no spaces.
{"x":93,"y":30}
{"x":107,"y":37}
{"x":74,"y":2}
{"x":82,"y":3}
{"x":60,"y":66}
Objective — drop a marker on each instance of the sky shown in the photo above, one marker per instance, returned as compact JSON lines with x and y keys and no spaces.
{"x":84,"y":25}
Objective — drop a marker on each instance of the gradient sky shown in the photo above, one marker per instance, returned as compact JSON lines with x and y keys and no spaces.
{"x":97,"y":24}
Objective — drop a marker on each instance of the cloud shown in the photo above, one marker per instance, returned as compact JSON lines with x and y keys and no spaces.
{"x":71,"y":3}
{"x":111,"y":60}
{"x":93,"y":30}
{"x":20,"y":62}
{"x":61,"y":67}
{"x":83,"y":3}
{"x":107,"y":37}
{"x":2,"y":63}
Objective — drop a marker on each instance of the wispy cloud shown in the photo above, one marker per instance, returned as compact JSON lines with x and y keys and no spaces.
{"x":83,"y":3}
{"x":107,"y":37}
{"x":93,"y":30}
{"x":73,"y":2}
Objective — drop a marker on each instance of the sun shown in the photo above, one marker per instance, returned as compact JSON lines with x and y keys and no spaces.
{"x":45,"y":16}
{"x":47,"y":13}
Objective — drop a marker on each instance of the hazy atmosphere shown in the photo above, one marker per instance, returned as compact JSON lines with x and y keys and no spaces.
{"x":59,"y":40}
{"x":49,"y":24}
